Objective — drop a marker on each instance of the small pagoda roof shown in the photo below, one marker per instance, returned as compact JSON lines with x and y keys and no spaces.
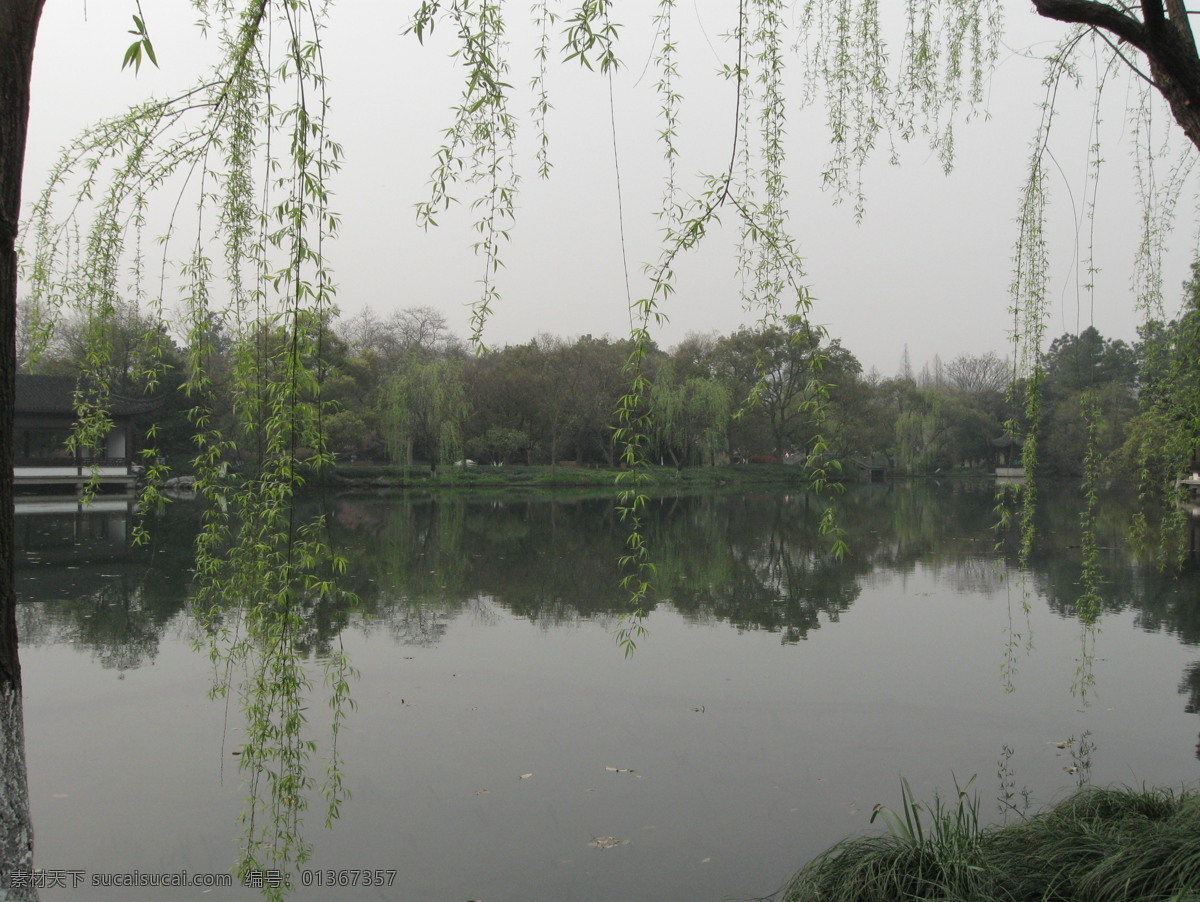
{"x":1007,"y":441}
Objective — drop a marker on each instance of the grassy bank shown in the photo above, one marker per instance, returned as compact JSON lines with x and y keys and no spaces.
{"x":382,"y":477}
{"x":1098,"y":845}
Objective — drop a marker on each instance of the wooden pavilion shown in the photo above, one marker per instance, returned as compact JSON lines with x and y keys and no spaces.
{"x":44,"y":416}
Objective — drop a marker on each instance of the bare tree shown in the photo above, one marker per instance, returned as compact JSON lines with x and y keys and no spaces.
{"x":979,"y":375}
{"x":421,"y":329}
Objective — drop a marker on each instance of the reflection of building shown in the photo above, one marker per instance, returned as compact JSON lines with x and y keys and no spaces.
{"x":62,"y":530}
{"x":43,"y":418}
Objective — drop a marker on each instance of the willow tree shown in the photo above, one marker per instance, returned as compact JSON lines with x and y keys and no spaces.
{"x":243,"y":163}
{"x":690,"y":417}
{"x":1150,"y":47}
{"x":425,"y":405}
{"x":1159,"y":46}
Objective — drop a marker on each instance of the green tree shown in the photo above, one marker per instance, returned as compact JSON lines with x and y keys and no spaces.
{"x":861,"y":421}
{"x":426,"y":406}
{"x":603,"y":362}
{"x":1081,"y":372}
{"x":1162,"y":442}
{"x":561,"y":388}
{"x":784,"y":376}
{"x":690,"y":417}
{"x":922,"y":436}
{"x":497,"y":445}
{"x":500,"y":386}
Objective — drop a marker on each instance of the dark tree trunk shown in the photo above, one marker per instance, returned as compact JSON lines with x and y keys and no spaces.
{"x":18,"y":31}
{"x":1163,"y":35}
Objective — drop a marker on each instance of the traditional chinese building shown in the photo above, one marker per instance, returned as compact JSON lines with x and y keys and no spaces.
{"x":44,"y":416}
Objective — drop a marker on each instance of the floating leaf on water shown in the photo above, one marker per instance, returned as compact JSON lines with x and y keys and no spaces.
{"x":619,"y":770}
{"x":607,"y":842}
{"x":526,"y":776}
{"x":705,"y":860}
{"x":480,"y":792}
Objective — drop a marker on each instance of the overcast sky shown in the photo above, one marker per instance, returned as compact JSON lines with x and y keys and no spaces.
{"x":928,"y":268}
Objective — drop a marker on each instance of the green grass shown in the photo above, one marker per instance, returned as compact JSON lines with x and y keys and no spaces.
{"x":1098,"y":845}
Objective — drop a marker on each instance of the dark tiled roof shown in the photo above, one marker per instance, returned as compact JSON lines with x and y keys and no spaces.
{"x":1007,"y":441}
{"x":56,"y":395}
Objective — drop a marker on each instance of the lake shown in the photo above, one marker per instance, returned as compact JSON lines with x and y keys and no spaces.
{"x":504,"y":748}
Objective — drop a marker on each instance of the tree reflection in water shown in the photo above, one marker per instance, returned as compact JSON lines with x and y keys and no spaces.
{"x":755,"y":561}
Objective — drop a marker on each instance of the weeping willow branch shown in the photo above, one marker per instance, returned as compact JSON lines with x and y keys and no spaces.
{"x":246,"y":159}
{"x":947,"y":49}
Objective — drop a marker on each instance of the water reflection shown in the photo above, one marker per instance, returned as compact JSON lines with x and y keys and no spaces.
{"x":755,"y":561}
{"x":95,"y":590}
{"x":857,"y":651}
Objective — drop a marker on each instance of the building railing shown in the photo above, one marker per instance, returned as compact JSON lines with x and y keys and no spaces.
{"x":65,"y":467}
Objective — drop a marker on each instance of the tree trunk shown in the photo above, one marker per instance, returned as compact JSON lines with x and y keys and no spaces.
{"x":16,"y":829}
{"x":1163,"y":35}
{"x":18,"y":31}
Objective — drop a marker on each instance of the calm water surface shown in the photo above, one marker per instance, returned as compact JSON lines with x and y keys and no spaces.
{"x":504,"y":749}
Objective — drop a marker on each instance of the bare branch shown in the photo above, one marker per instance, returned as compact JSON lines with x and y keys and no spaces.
{"x":1179,"y":18}
{"x":1098,"y":15}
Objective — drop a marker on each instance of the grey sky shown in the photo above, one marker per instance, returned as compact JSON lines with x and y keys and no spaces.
{"x":928,"y":268}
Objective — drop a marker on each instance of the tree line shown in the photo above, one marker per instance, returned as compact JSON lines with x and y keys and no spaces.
{"x":401,"y":389}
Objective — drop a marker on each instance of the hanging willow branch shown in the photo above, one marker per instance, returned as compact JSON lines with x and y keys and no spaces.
{"x":242,"y":162}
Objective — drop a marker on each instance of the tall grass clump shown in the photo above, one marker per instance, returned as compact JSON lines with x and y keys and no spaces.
{"x":1098,"y":845}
